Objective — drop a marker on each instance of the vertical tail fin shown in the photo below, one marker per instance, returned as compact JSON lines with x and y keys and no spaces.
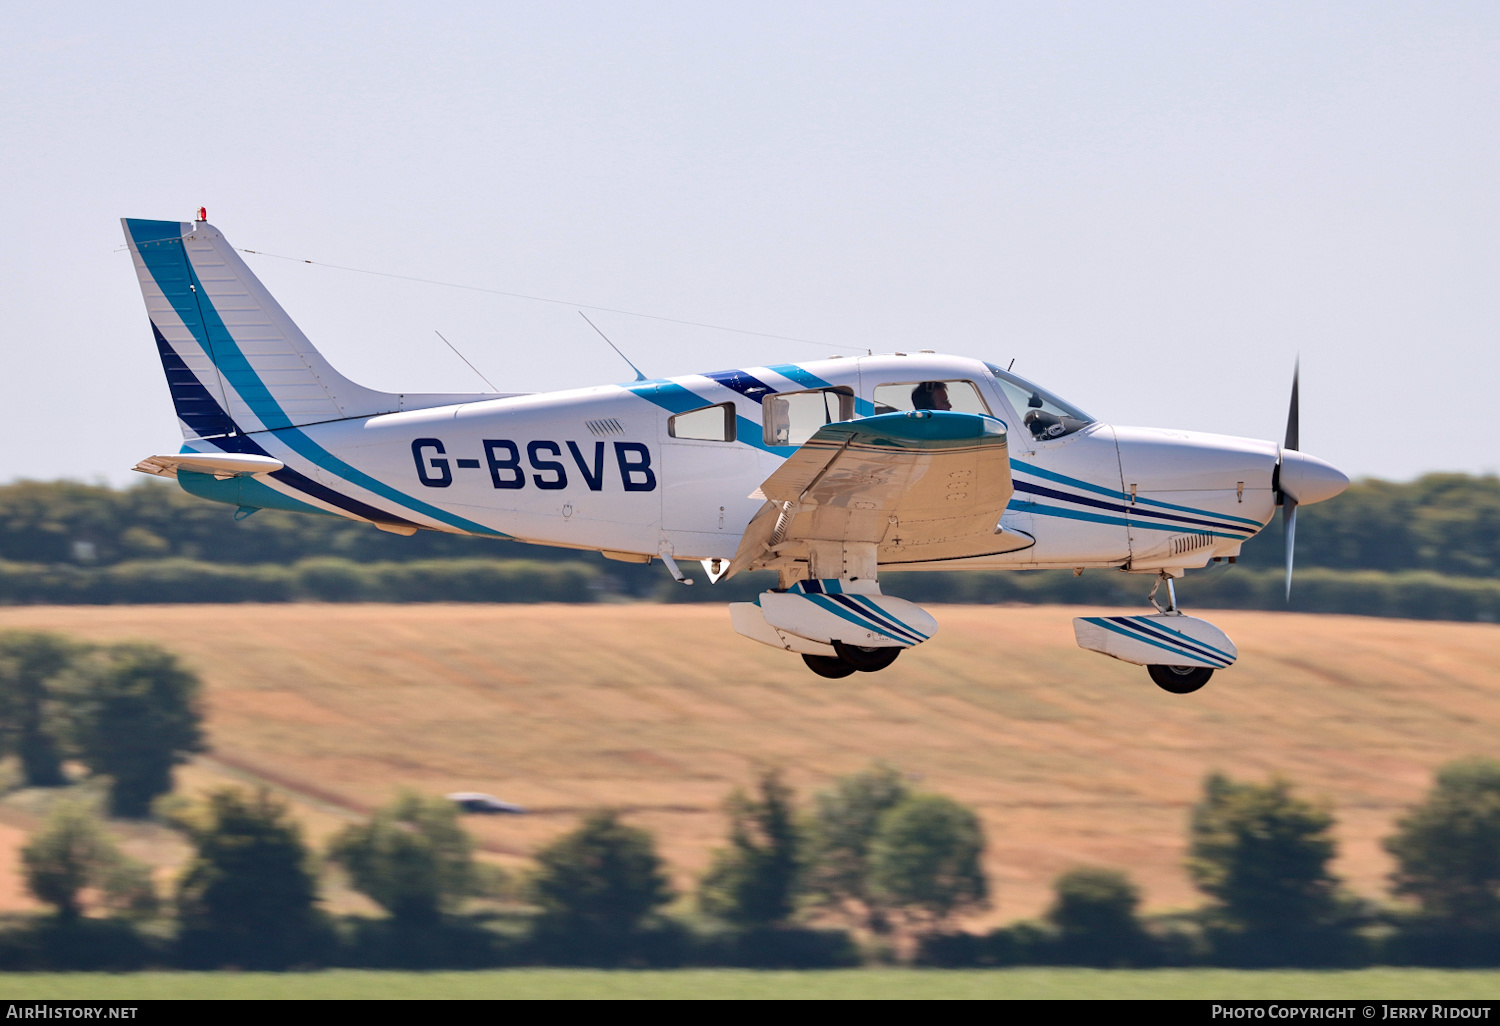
{"x":235,"y":362}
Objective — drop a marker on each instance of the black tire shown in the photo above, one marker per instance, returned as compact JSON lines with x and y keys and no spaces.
{"x":867,"y":660}
{"x":1180,"y":680}
{"x":827,"y":666}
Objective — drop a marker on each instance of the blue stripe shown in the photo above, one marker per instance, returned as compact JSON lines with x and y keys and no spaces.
{"x":1027,"y":468}
{"x":1078,"y":514}
{"x":745,"y":384}
{"x":1053,"y":493}
{"x":807,"y":379}
{"x":826,"y":602}
{"x":675,"y":398}
{"x":195,"y":405}
{"x":886,"y":624}
{"x":198,"y":314}
{"x":1094,"y":518}
{"x":1135,"y":637}
{"x":240,"y":443}
{"x":882,"y":615}
{"x":1157,"y":629}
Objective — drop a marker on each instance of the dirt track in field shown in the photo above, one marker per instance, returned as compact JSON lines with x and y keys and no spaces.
{"x":1070,"y":757}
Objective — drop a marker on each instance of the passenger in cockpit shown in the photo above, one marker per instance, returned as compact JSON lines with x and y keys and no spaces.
{"x":931,"y":395}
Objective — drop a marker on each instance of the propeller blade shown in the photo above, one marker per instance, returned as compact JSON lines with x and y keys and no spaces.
{"x":1293,"y":416}
{"x":1289,"y":532}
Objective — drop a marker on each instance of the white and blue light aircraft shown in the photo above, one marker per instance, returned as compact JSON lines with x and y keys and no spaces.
{"x":826,"y":472}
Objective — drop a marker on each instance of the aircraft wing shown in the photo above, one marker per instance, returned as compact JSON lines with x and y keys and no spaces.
{"x":920,"y":486}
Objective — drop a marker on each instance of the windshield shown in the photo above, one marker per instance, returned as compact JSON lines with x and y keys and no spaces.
{"x":1044,"y":414}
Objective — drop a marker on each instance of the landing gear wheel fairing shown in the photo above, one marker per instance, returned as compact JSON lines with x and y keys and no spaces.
{"x":1179,"y":680}
{"x":867,"y":659}
{"x":827,"y":666}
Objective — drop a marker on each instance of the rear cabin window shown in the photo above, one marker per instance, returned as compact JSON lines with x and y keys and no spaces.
{"x":791,"y":418}
{"x":958,"y":396}
{"x":709,"y":424}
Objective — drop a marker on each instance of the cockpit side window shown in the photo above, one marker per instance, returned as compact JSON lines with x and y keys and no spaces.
{"x":959,"y":396}
{"x":1044,"y":414}
{"x":791,"y":418}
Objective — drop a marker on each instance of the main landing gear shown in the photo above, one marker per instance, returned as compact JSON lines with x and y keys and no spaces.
{"x":851,"y":659}
{"x":1179,"y":680}
{"x":1153,"y":640}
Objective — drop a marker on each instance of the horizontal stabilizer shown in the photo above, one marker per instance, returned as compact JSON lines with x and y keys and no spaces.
{"x":221,"y":465}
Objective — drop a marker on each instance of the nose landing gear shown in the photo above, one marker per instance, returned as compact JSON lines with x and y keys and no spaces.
{"x":1195,"y":648}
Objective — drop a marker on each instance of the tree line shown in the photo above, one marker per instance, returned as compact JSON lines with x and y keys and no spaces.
{"x":1423,"y":550}
{"x":127,"y":713}
{"x":872,"y":870}
{"x":1440,"y":523}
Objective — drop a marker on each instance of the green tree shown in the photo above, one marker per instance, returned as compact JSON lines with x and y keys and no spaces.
{"x":845,"y":820}
{"x":72,"y":853}
{"x":136,"y":714}
{"x":1094,"y":912}
{"x":755,"y":881}
{"x":250,"y":891}
{"x":925,"y":863}
{"x":1262,"y":854}
{"x":1447,"y":849}
{"x":30,"y":664}
{"x":598,"y":885}
{"x":412,"y":858}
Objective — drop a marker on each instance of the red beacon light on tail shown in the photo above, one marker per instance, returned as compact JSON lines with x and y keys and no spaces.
{"x":202,"y":214}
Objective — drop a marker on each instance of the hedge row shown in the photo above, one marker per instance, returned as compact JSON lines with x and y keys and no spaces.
{"x":325,"y":580}
{"x":1415,"y":594}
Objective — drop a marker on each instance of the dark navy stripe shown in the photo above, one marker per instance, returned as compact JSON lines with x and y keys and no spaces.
{"x":884,"y":622}
{"x":1027,"y":468}
{"x":858,"y":618}
{"x":1179,"y":641}
{"x":876,"y":612}
{"x":196,"y":407}
{"x":1142,"y":640}
{"x":1176,"y":637}
{"x":1134,"y":511}
{"x":746,"y":385}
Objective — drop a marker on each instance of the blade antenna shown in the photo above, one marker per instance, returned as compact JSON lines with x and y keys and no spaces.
{"x":465,"y":359}
{"x":638,"y":375}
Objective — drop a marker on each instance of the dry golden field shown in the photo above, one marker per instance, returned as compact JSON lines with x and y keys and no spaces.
{"x":1070,"y":757}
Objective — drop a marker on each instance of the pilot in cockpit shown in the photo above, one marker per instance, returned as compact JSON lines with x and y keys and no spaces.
{"x":931,"y":395}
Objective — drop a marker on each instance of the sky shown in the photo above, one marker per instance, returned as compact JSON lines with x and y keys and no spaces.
{"x":1153,"y":208}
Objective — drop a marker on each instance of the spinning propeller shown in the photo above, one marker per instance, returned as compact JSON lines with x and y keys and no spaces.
{"x":1300,"y":479}
{"x":1288,"y":501}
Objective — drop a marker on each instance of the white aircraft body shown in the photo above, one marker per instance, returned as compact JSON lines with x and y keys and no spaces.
{"x":827,"y":472}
